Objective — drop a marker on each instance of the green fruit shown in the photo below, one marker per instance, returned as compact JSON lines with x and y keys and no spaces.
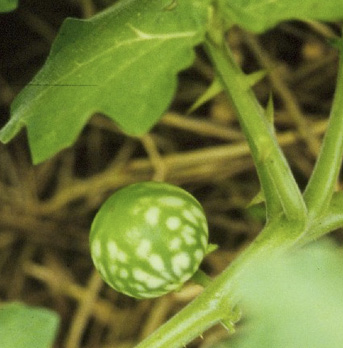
{"x":148,"y":239}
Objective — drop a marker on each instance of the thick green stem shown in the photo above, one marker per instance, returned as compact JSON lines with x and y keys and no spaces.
{"x":275,"y":175}
{"x":322,"y":183}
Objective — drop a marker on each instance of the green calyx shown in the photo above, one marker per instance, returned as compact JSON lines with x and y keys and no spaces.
{"x":148,"y":239}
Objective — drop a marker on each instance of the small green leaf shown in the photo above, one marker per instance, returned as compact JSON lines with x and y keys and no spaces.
{"x":8,"y":5}
{"x":122,"y":62}
{"x":22,"y":326}
{"x":259,"y":16}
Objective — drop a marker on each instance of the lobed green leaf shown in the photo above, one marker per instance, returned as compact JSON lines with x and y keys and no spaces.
{"x":259,"y":16}
{"x":122,"y":62}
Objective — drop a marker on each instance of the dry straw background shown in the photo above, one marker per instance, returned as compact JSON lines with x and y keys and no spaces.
{"x":46,"y":210}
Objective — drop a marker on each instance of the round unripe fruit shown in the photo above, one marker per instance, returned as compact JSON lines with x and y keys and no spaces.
{"x":148,"y":239}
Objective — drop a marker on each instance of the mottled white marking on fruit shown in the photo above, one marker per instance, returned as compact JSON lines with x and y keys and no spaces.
{"x":122,"y":256}
{"x":112,"y":249}
{"x":148,"y":294}
{"x":119,"y":284}
{"x":123,"y":273}
{"x":144,"y":248}
{"x":155,"y":283}
{"x":173,"y":223}
{"x":185,"y":277}
{"x":148,"y":279}
{"x":133,"y":234}
{"x":175,"y":244}
{"x":115,"y":253}
{"x":141,"y":294}
{"x":197,"y":212}
{"x":166,"y":275}
{"x":156,"y":262}
{"x":189,"y":239}
{"x":180,"y":262}
{"x":171,"y":287}
{"x":138,"y":287}
{"x":96,"y":248}
{"x":188,"y":230}
{"x":189,"y":216}
{"x":113,"y":269}
{"x":172,"y":201}
{"x":198,"y":254}
{"x":140,"y":205}
{"x":152,"y":216}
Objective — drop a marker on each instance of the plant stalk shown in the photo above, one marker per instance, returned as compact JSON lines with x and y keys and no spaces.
{"x":276,"y":178}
